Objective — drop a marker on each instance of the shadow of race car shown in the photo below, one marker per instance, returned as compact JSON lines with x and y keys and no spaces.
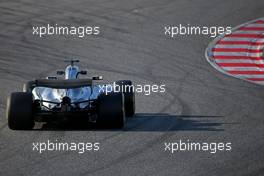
{"x":53,"y":98}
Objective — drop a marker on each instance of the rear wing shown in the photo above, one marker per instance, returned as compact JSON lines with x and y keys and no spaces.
{"x":62,"y":84}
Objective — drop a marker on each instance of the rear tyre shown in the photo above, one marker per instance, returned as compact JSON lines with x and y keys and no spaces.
{"x":28,"y":87}
{"x":111,"y":112}
{"x":19,"y":111}
{"x":129,"y":96}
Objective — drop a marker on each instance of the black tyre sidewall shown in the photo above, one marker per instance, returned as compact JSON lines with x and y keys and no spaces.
{"x":28,"y":87}
{"x":19,"y":111}
{"x":129,"y":98}
{"x":111,"y":111}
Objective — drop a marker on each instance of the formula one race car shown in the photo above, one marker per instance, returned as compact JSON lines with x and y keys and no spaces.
{"x":51,"y":99}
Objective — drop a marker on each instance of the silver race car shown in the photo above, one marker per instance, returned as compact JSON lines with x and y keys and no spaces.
{"x":52,"y":99}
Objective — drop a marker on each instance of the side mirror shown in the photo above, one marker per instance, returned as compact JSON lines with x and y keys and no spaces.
{"x":83,"y":72}
{"x":60,"y":72}
{"x":97,"y":78}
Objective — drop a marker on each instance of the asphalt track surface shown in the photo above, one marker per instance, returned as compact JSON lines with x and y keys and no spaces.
{"x":200,"y":103}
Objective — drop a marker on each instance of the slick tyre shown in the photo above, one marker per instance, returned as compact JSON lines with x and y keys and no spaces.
{"x":19,"y":112}
{"x":129,"y":94}
{"x":111,"y":111}
{"x":29,"y":86}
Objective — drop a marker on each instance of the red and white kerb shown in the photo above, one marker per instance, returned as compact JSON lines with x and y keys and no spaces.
{"x":240,"y":54}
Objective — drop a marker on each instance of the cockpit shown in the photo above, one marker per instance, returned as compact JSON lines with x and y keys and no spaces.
{"x":71,"y":72}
